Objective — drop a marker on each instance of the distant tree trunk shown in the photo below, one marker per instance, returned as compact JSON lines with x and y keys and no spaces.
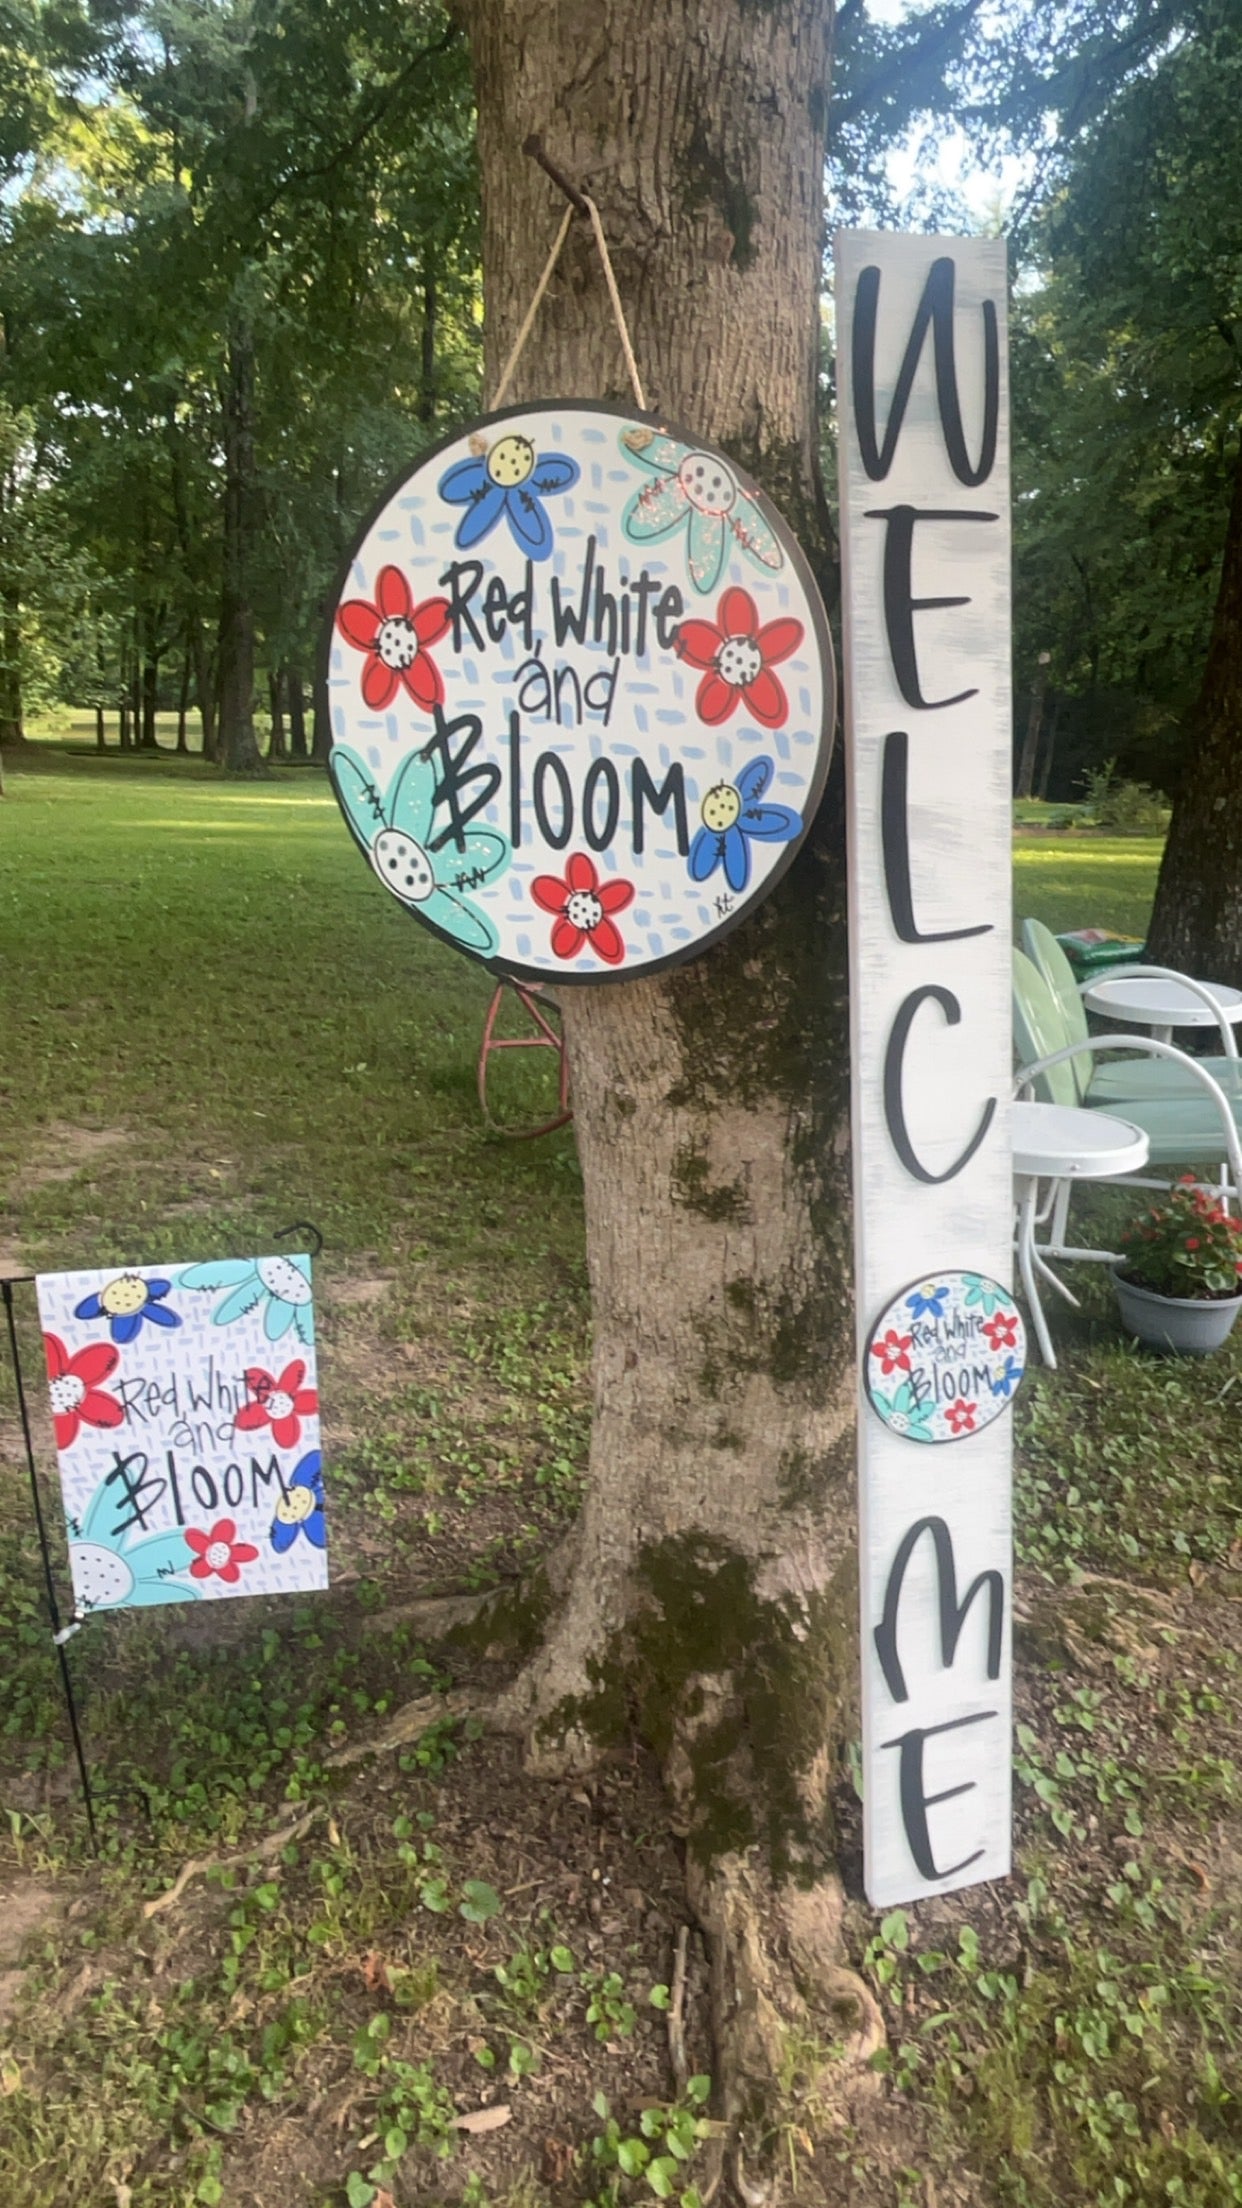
{"x":1050,"y":746}
{"x":101,"y":734}
{"x":183,"y":703}
{"x":1034,"y":721}
{"x":1197,"y":919}
{"x":297,"y":716}
{"x":12,"y":729}
{"x":150,"y":681}
{"x":276,"y":695}
{"x":427,"y":393}
{"x":321,"y":729}
{"x":237,"y":738}
{"x":135,"y":686}
{"x":711,"y":1590}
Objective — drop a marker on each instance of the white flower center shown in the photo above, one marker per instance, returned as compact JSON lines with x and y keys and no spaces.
{"x":67,"y":1393}
{"x":397,"y":642}
{"x":584,"y":910}
{"x":739,"y":661}
{"x":217,"y":1555}
{"x":278,"y":1404}
{"x":284,"y":1280}
{"x":707,"y":483}
{"x":403,"y":866}
{"x":101,"y":1578}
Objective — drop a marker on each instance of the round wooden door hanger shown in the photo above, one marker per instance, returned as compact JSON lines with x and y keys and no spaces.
{"x":581,"y":693}
{"x":945,"y":1357}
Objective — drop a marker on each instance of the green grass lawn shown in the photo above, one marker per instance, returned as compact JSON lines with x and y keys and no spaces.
{"x":214,"y":1023}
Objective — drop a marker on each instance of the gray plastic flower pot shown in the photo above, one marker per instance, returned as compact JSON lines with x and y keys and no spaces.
{"x":1175,"y":1325}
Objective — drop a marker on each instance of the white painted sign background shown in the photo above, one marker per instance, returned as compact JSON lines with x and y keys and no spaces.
{"x":924,"y":475}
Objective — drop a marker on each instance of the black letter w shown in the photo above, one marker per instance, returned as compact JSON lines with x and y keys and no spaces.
{"x":936,"y":307}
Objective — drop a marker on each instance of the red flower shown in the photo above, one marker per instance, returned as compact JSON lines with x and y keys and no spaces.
{"x":281,"y":1404}
{"x":961,"y":1417}
{"x":739,"y":657}
{"x":1002,"y":1331}
{"x":219,"y":1551}
{"x":893,"y":1352}
{"x":582,"y":904}
{"x":77,"y":1397}
{"x":396,"y":632}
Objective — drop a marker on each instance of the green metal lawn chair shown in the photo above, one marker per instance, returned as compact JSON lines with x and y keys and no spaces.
{"x":1193,"y":1123}
{"x":1128,"y":1078}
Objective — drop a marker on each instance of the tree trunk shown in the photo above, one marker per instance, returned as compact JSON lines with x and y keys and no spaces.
{"x":12,"y":729}
{"x":183,"y":703}
{"x":1197,"y":920}
{"x":1050,"y":747}
{"x":150,"y":682}
{"x":427,"y":377}
{"x":297,"y":716}
{"x":712,"y":1596}
{"x":1034,"y":722}
{"x":275,"y":693}
{"x":237,"y":737}
{"x":101,"y":734}
{"x":321,"y":728}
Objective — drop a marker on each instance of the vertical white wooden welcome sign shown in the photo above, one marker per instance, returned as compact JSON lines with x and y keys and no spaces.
{"x":924,"y":467}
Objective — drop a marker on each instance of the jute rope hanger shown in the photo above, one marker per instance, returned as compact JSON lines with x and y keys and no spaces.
{"x":579,"y":202}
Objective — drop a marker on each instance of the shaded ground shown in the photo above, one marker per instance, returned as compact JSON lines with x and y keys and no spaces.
{"x":384,"y":1957}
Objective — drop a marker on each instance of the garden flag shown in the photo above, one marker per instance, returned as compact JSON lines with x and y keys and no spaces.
{"x":186,"y":1414}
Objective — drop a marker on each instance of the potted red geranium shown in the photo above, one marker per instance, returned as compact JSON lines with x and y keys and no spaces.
{"x":1179,"y":1282}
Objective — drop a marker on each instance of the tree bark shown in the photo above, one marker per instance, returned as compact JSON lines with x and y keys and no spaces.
{"x":237,"y":737}
{"x":712,"y":1598}
{"x":1197,"y":920}
{"x":1034,"y":722}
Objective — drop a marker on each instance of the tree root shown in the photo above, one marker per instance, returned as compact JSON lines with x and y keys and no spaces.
{"x":794,"y":2028}
{"x":199,"y":1865}
{"x":409,"y":1723}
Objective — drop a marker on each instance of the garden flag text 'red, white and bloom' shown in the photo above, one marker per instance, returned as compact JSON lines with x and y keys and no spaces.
{"x":186,"y":1412}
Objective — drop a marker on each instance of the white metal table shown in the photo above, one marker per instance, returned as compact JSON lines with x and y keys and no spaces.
{"x":1059,"y":1143}
{"x":1163,"y":1004}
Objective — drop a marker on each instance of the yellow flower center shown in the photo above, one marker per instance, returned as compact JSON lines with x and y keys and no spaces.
{"x":123,"y":1296}
{"x":296,"y":1506}
{"x":721,"y":808}
{"x":510,"y":461}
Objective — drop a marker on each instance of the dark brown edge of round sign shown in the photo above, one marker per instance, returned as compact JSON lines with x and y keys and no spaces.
{"x":943,"y":1441}
{"x":504,"y":969}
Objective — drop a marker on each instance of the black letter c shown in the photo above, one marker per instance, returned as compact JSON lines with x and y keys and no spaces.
{"x":894,"y":1108}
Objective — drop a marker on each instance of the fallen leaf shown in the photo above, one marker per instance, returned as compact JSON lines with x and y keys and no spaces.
{"x":375,"y":1973}
{"x":556,"y":2159}
{"x":10,"y":2075}
{"x":1196,"y":1573}
{"x":484,"y":2119}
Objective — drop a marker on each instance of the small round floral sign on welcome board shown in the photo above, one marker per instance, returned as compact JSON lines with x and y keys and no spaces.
{"x":945,"y":1357}
{"x":580,"y":690}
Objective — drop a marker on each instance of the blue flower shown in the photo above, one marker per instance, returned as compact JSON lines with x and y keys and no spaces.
{"x":928,"y":1302}
{"x":513,"y":480}
{"x":300,"y":1509}
{"x":125,"y":1302}
{"x":1006,"y":1379}
{"x":732,"y":814}
{"x":114,"y":1571}
{"x":395,"y":834}
{"x":284,"y":1281}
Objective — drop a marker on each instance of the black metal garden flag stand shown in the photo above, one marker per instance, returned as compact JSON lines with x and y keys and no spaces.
{"x":60,"y":1634}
